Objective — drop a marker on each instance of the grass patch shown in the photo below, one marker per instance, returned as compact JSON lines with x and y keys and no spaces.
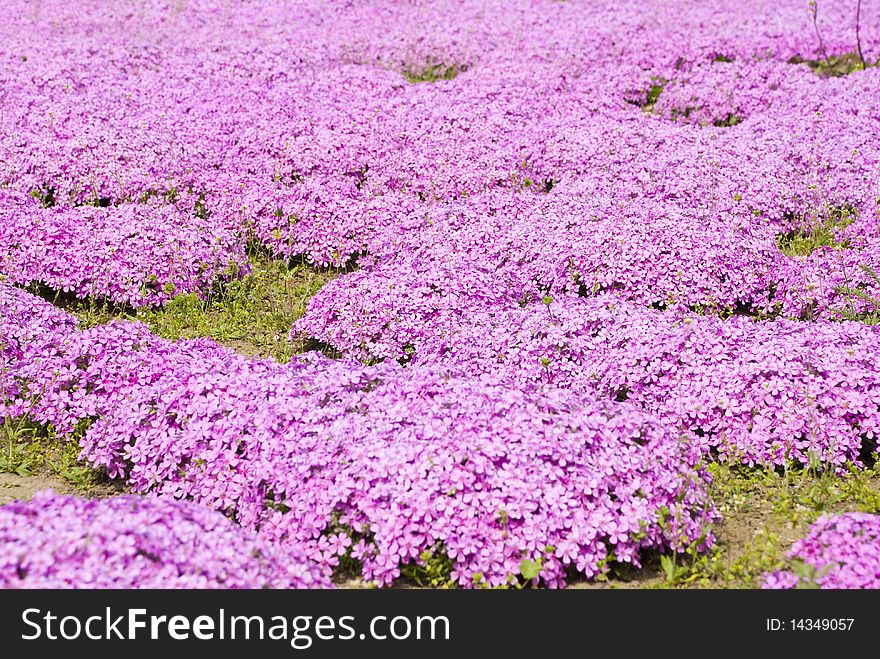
{"x":764,"y":512}
{"x":433,"y":570}
{"x":433,"y":73}
{"x":28,"y":450}
{"x":252,"y":315}
{"x":648,"y":98}
{"x":821,"y":233}
{"x":835,"y":66}
{"x":853,"y":293}
{"x":46,"y":196}
{"x":653,"y":94}
{"x":730,"y":120}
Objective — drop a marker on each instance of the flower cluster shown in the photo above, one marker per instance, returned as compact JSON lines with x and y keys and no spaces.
{"x":30,"y":330}
{"x":136,"y":542}
{"x":762,"y":392}
{"x":317,"y":139}
{"x":605,"y":242}
{"x":401,"y":461}
{"x":131,"y":254}
{"x":836,"y":280}
{"x":840,"y":551}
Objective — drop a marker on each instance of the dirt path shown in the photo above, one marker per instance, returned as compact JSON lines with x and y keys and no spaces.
{"x":13,"y":486}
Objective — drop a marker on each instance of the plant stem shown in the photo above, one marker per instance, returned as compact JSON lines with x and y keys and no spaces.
{"x":858,"y":33}
{"x":814,"y":10}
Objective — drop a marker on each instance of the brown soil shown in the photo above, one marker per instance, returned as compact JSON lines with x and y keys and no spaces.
{"x":13,"y":486}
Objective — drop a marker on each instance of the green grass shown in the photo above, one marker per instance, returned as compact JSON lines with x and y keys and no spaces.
{"x":764,"y":512}
{"x":834,"y":66}
{"x":853,"y":293}
{"x":647,"y":99}
{"x":432,"y":73}
{"x":253,"y":315}
{"x":46,"y":196}
{"x":29,"y":450}
{"x":820,"y":233}
{"x":730,"y":120}
{"x":824,"y":233}
{"x":653,"y":94}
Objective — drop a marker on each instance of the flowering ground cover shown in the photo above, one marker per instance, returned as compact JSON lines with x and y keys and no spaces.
{"x":839,"y":552}
{"x":399,"y":461}
{"x":465,"y":292}
{"x":127,"y":542}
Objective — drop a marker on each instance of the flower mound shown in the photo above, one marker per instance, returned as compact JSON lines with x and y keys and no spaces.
{"x":139,"y":255}
{"x":760,"y":392}
{"x":134,"y":542}
{"x":841,"y":551}
{"x":586,"y":246}
{"x":379,"y":464}
{"x":404,"y":461}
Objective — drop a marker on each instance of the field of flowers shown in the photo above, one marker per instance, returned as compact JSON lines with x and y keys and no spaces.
{"x":583,"y":277}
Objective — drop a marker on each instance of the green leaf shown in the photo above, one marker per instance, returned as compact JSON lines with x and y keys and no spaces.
{"x":668,"y":565}
{"x":530,"y":569}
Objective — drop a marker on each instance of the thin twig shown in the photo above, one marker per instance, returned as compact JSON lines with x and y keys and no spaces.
{"x":814,"y":10}
{"x":858,"y":34}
